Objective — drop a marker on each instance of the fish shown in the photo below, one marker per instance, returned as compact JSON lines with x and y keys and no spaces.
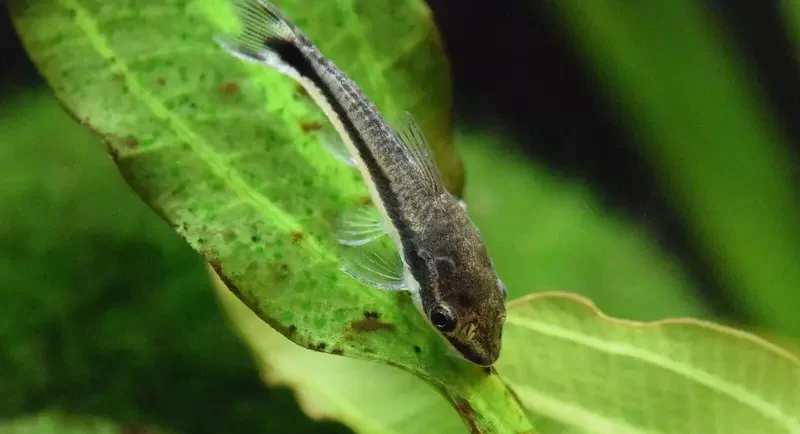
{"x":440,"y":259}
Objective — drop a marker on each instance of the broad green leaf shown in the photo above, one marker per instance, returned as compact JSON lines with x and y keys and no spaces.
{"x":581,"y":371}
{"x":57,"y":423}
{"x":221,"y":150}
{"x":708,"y":135}
{"x":368,"y":397}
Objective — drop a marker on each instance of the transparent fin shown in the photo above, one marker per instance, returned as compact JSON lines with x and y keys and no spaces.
{"x":360,"y":226}
{"x":411,"y":134}
{"x":376,"y":265}
{"x":333,"y":143}
{"x":262,"y":25}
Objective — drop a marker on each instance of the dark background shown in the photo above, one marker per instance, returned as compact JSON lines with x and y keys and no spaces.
{"x":557,"y":108}
{"x":516,"y":67}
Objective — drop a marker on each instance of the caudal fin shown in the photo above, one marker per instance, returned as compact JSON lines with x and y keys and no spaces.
{"x":263,"y":29}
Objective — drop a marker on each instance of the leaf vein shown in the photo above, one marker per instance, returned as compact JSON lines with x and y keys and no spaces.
{"x":196,"y":142}
{"x":716,"y":383}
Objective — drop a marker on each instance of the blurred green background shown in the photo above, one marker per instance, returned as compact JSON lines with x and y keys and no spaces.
{"x":660,"y":179}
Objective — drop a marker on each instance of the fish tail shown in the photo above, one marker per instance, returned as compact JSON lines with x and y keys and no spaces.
{"x":265,"y":36}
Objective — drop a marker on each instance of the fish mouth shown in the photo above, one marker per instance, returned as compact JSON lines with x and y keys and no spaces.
{"x":475,"y":355}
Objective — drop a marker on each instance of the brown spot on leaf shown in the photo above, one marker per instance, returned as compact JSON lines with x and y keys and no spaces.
{"x":131,"y":142}
{"x":370,"y":325}
{"x":213,"y":262}
{"x":467,"y":414}
{"x":229,"y":88}
{"x":308,"y":127}
{"x":289,"y":332}
{"x":337,"y":351}
{"x":365,"y":200}
{"x":217,"y":266}
{"x":319,"y":347}
{"x":296,"y":236}
{"x":301,"y":91}
{"x":161,"y":81}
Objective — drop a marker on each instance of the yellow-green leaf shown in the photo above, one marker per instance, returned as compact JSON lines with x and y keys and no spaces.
{"x":223,"y":151}
{"x":583,"y":371}
{"x":369,"y":397}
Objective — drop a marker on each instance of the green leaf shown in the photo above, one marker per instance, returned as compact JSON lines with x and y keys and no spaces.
{"x":57,"y":423}
{"x":560,"y":238}
{"x":708,"y":135}
{"x":583,"y":371}
{"x":366,"y":396}
{"x":219,"y":149}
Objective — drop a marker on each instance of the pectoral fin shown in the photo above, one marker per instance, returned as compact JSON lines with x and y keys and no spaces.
{"x":360,"y":226}
{"x":377,"y":265}
{"x":335,"y":146}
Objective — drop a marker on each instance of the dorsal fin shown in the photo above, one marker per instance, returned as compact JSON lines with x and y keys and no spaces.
{"x":411,"y":134}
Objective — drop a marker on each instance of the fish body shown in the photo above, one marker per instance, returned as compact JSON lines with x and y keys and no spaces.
{"x":443,"y":261}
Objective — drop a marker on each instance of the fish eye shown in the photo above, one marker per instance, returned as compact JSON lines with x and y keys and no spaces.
{"x":443,"y":318}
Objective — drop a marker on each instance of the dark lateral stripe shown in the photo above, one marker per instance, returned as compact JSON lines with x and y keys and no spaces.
{"x":292,"y":55}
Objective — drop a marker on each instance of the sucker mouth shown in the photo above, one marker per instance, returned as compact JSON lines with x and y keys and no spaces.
{"x":472,"y":356}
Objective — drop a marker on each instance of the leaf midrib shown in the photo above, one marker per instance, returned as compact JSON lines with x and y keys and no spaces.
{"x":574,"y":415}
{"x":718,"y":384}
{"x":197,"y":143}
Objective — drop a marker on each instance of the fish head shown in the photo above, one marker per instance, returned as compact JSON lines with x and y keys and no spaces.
{"x":464,"y":300}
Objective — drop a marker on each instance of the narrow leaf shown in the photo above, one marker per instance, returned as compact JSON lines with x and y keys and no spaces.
{"x":707,"y":132}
